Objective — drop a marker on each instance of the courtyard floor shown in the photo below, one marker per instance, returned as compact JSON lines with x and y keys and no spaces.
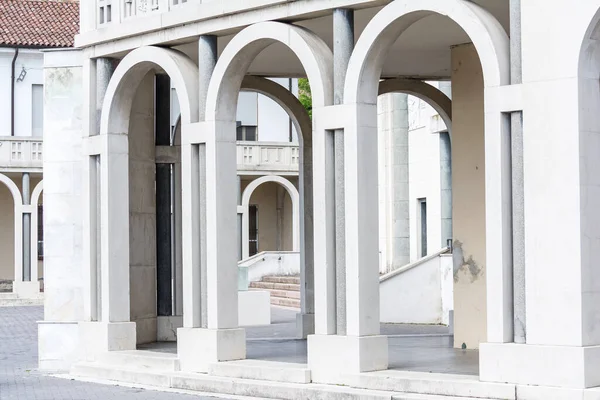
{"x":412,"y":348}
{"x":19,"y":378}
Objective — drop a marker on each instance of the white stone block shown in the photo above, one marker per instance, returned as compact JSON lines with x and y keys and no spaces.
{"x":197,"y":348}
{"x":331,"y":356}
{"x":559,"y":366}
{"x":58,"y":345}
{"x":167,"y":328}
{"x":254,"y":308}
{"x":305,"y":325}
{"x":27,"y":290}
{"x":99,"y":337}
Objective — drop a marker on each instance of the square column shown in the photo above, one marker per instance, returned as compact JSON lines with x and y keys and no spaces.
{"x":562,"y":346}
{"x":58,"y":336}
{"x":210,"y":330}
{"x":211,"y":333}
{"x":107,"y":182}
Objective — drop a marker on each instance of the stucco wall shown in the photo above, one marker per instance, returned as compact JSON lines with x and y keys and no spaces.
{"x":7,"y":238}
{"x":468,"y":196}
{"x":424,"y":182}
{"x":142,"y":212}
{"x":32,"y":61}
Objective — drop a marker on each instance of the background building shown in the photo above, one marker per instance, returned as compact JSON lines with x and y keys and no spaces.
{"x":27,"y":28}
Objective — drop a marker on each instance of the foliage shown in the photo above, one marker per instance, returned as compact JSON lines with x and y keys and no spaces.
{"x":305,"y":95}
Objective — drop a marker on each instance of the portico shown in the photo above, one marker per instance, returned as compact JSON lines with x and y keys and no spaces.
{"x":509,"y":284}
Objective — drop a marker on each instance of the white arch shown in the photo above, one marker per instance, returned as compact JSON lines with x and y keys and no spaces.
{"x":366,"y":62}
{"x":360,"y":96}
{"x":286,"y":100}
{"x":116,"y":108}
{"x":35,"y":198}
{"x":18,"y":225}
{"x":292,"y":191}
{"x":14,"y":190}
{"x":432,"y":95}
{"x":221,"y":102}
{"x":311,"y":50}
{"x":113,"y":227}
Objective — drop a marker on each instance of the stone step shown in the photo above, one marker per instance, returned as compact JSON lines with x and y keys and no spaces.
{"x":285,"y":302}
{"x":430,"y":384}
{"x":112,"y":373}
{"x":277,"y":286}
{"x":226,"y":385}
{"x":141,"y":360}
{"x":262,"y":370}
{"x":287,"y":294}
{"x":282,"y":279}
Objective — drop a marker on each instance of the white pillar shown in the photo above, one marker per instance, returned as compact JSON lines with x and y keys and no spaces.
{"x":105,"y":170}
{"x":211,"y":333}
{"x":347,"y":336}
{"x":63,"y":279}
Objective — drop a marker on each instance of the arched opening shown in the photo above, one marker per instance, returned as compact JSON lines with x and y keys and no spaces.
{"x":480,"y":175}
{"x":134,"y":260}
{"x":11,"y":267}
{"x":226,"y":82}
{"x":283,"y":238}
{"x":589,"y":127}
{"x":415,"y":207}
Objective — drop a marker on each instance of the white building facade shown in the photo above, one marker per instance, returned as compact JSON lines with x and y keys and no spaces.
{"x":24,"y":36}
{"x":521,"y":166}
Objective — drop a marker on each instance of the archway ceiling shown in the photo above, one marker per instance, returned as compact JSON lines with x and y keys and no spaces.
{"x":422,"y":51}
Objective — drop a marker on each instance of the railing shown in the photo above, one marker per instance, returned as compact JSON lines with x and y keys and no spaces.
{"x":21,"y":152}
{"x":267,"y":156}
{"x":412,"y":265}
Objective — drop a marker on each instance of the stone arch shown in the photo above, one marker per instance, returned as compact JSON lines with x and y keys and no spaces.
{"x":432,"y":95}
{"x":360,"y":97}
{"x":117,"y":108}
{"x":132,"y":69}
{"x":231,"y":68}
{"x":366,"y":62}
{"x":35,"y":198}
{"x":221,"y":101}
{"x":18,"y":227}
{"x":588,"y":128}
{"x":295,"y":196}
{"x":14,"y":190}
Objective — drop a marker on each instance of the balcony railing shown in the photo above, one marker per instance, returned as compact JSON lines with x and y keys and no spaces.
{"x":21,"y":152}
{"x":267,"y":157}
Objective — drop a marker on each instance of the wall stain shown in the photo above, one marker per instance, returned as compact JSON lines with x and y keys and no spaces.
{"x":459,"y":263}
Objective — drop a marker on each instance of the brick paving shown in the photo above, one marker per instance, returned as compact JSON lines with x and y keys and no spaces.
{"x":19,"y":378}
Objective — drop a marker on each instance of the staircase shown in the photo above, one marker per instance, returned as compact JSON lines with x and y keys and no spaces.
{"x":285,"y":290}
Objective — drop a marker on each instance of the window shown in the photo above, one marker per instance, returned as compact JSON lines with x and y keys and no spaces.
{"x":422,"y":226}
{"x":247,"y":133}
{"x":253,"y":229}
{"x":40,"y":228}
{"x":37,"y":110}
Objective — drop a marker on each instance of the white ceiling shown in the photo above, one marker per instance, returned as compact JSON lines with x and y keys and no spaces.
{"x":421,"y":51}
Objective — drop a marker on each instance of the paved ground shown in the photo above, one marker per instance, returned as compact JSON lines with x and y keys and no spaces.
{"x":18,"y":362}
{"x":414,"y":348}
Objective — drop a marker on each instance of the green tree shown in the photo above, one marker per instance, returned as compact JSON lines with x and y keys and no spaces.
{"x":305,"y":95}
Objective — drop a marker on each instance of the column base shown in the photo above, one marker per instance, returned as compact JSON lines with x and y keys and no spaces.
{"x":27,"y":290}
{"x":330,"y":357}
{"x":305,"y":325}
{"x":557,"y":366}
{"x":58,"y":345}
{"x":197,"y":348}
{"x":166,"y":328}
{"x":96,"y":338}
